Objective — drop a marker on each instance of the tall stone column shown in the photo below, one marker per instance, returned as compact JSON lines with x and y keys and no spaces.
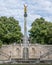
{"x":25,"y":50}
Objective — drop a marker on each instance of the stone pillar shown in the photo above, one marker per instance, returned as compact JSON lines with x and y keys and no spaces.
{"x":25,"y":50}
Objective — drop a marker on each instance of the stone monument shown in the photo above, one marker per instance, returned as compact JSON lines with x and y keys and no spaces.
{"x":25,"y":41}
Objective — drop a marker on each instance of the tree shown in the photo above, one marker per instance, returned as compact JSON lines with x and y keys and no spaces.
{"x":41,"y":31}
{"x":1,"y":43}
{"x":10,"y":31}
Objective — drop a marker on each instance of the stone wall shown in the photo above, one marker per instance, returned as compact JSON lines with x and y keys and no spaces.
{"x":34,"y":51}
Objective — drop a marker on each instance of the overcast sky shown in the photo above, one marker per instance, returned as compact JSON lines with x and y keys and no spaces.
{"x":36,"y":9}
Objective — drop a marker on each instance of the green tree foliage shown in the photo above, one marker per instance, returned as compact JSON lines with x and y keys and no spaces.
{"x":1,"y":43}
{"x":41,"y":31}
{"x":10,"y":31}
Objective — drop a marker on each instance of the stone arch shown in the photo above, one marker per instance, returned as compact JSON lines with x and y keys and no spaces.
{"x":25,"y":53}
{"x":18,"y":52}
{"x":33,"y":51}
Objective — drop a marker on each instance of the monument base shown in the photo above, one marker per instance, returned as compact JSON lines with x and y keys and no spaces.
{"x":23,"y":61}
